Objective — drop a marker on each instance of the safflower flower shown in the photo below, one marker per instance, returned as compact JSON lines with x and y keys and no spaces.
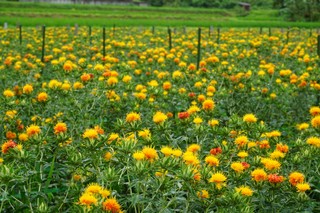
{"x":314,"y":111}
{"x":274,"y":178}
{"x":88,"y":199}
{"x":259,"y":175}
{"x":138,"y":156}
{"x":244,"y":190}
{"x":250,"y":118}
{"x":166,"y":150}
{"x":159,"y":117}
{"x":27,"y":89}
{"x":219,"y":179}
{"x":8,"y":145}
{"x":132,"y":117}
{"x":60,"y":128}
{"x":314,"y":141}
{"x":315,"y":122}
{"x":8,"y":93}
{"x":42,"y":97}
{"x":211,"y":160}
{"x":150,"y":153}
{"x":93,"y":188}
{"x":302,"y":126}
{"x":33,"y":130}
{"x":208,"y":105}
{"x":237,"y":167}
{"x":241,"y":140}
{"x":90,"y":133}
{"x":302,"y":187}
{"x":295,"y":178}
{"x":193,"y":148}
{"x":203,"y":194}
{"x":111,"y":205}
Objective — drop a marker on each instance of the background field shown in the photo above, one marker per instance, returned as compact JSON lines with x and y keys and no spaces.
{"x":32,"y":14}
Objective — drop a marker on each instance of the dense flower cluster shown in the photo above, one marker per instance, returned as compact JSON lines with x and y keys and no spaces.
{"x":239,"y":134}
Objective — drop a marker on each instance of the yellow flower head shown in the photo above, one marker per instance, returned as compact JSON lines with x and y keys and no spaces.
{"x":150,"y":153}
{"x":270,"y":164}
{"x":132,"y":117}
{"x":107,"y":156}
{"x":295,"y":178}
{"x":241,"y":140}
{"x":302,"y":187}
{"x":237,"y":167}
{"x":243,"y":154}
{"x":197,"y":120}
{"x":8,"y":93}
{"x":176,"y":152}
{"x":250,"y":118}
{"x":219,"y":179}
{"x":93,"y":188}
{"x":208,"y":105}
{"x":302,"y":126}
{"x":112,"y":81}
{"x":315,"y":122}
{"x":33,"y":130}
{"x":23,"y":137}
{"x":90,"y":133}
{"x":159,"y":117}
{"x":88,"y":199}
{"x":277,"y":154}
{"x":42,"y":97}
{"x":314,"y":141}
{"x":193,"y":148}
{"x":166,"y":150}
{"x":138,"y":155}
{"x":213,"y":123}
{"x":203,"y":194}
{"x":145,"y":133}
{"x":259,"y":175}
{"x":113,"y":137}
{"x":27,"y":89}
{"x":244,"y":190}
{"x":211,"y":160}
{"x":314,"y":111}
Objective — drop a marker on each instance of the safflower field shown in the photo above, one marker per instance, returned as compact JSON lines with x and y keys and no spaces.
{"x":136,"y":122}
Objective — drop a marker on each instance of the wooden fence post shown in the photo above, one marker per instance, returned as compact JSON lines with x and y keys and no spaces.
{"x":199,"y":48}
{"x":170,"y":41}
{"x":43,"y":42}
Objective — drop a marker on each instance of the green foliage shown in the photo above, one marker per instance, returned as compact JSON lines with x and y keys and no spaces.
{"x":296,"y":10}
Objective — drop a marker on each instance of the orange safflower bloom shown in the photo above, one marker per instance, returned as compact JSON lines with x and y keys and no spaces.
{"x":111,"y":205}
{"x":42,"y":97}
{"x":183,"y":115}
{"x":8,"y":145}
{"x":150,"y":153}
{"x":274,"y":178}
{"x":33,"y":130}
{"x":282,"y":148}
{"x":11,"y":135}
{"x":60,"y":128}
{"x":208,"y":105}
{"x":295,"y":178}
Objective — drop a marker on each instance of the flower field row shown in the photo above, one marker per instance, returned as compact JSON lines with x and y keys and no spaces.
{"x":136,"y":127}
